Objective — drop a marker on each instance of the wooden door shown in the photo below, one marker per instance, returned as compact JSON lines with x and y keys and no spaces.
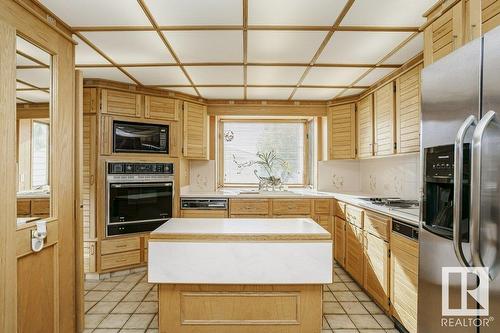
{"x":376,"y":270}
{"x":339,"y":243}
{"x":121,"y":103}
{"x":365,"y":127}
{"x":342,"y":132}
{"x":384,"y":120}
{"x":404,"y":281}
{"x":195,"y":131}
{"x":161,"y":108}
{"x":408,"y":110}
{"x":354,"y":252}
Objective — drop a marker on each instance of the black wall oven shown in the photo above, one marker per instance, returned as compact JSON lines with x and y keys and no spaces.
{"x":139,"y":138}
{"x":139,"y":196}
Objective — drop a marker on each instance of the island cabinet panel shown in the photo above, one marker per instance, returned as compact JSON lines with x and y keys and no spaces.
{"x":342,"y":132}
{"x":195,"y":131}
{"x":339,"y":209}
{"x":408,"y":110}
{"x":339,"y":244}
{"x":354,"y":252}
{"x":240,"y":308}
{"x":355,"y":216}
{"x":249,"y":207}
{"x":376,"y":224}
{"x":376,"y":269}
{"x":404,"y":280}
{"x":290,"y":207}
{"x":161,"y":108}
{"x":490,"y":14}
{"x":384,"y":120}
{"x":121,"y":103}
{"x":365,"y":127}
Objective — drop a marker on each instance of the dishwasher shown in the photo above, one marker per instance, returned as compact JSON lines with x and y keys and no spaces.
{"x":204,"y":207}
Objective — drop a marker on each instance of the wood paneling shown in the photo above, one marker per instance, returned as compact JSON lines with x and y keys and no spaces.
{"x":23,"y":207}
{"x":121,"y":103}
{"x":408,"y":110}
{"x":240,"y":308}
{"x":404,"y":281}
{"x":339,"y":244}
{"x":384,"y":120}
{"x":354,"y":252}
{"x":88,"y":190}
{"x":249,"y":207}
{"x":342,"y":132}
{"x":365,"y":127}
{"x":490,"y":14}
{"x":326,"y":222}
{"x":376,"y":269}
{"x":301,"y":207}
{"x":376,"y":224}
{"x":106,"y":135}
{"x":195,"y":131}
{"x":90,"y":100}
{"x":161,"y":108}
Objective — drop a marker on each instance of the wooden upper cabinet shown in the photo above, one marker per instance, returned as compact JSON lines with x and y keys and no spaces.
{"x":365,"y":127}
{"x":384,"y":120}
{"x":121,"y":103}
{"x":408,"y":110}
{"x":161,"y":108}
{"x":89,"y":100}
{"x":445,"y":34}
{"x":490,"y":14}
{"x":342,"y":132}
{"x":195,"y":131}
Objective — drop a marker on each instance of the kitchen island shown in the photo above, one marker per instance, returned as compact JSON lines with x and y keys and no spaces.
{"x":240,"y":275}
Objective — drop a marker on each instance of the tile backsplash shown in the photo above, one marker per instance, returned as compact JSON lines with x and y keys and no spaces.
{"x":389,"y":176}
{"x":202,"y":176}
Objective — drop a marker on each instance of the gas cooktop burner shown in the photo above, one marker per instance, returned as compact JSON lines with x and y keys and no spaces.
{"x":393,"y":202}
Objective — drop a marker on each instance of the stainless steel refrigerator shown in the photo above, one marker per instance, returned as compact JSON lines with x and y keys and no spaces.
{"x":460,"y":162}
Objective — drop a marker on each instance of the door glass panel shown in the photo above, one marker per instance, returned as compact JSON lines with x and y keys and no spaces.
{"x":33,"y":153}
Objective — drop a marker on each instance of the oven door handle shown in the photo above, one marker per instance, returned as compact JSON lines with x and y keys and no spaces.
{"x":122,"y":185}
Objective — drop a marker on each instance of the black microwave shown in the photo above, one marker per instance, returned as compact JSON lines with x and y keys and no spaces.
{"x":131,"y":137}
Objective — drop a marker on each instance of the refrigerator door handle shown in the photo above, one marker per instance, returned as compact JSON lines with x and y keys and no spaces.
{"x":457,"y":193}
{"x":475,"y":193}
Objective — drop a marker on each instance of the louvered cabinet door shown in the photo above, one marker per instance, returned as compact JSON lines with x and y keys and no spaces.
{"x":195,"y":131}
{"x":161,"y":108}
{"x":490,"y":14}
{"x":341,"y":132}
{"x":384,"y":120}
{"x":408,"y":110}
{"x":365,"y":127}
{"x":121,"y":103}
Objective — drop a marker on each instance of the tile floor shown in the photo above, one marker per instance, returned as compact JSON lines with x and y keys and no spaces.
{"x":128,"y":303}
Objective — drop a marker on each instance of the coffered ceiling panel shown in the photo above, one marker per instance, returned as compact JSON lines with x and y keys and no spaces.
{"x":283,"y":46}
{"x":39,"y":77}
{"x":274,"y":75}
{"x":84,"y":54}
{"x":316,"y":93}
{"x":131,"y":46}
{"x":374,"y":76}
{"x":221,"y":93}
{"x":196,"y":12}
{"x":185,"y":90}
{"x":294,"y":12}
{"x":268,"y":93}
{"x":387,"y":12}
{"x":32,"y":51}
{"x":216,"y":74}
{"x":339,"y":76}
{"x":207,"y":46}
{"x":352,"y":92}
{"x":360,"y":47}
{"x":97,"y":12}
{"x":34,"y":96}
{"x":112,"y":74}
{"x":414,"y":47}
{"x":158,"y":75}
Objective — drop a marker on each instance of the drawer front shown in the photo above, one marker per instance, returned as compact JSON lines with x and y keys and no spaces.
{"x":23,"y":207}
{"x":40,"y":207}
{"x":120,"y":245}
{"x":202,"y":213}
{"x":378,"y":225}
{"x":291,"y":207}
{"x":354,"y":215}
{"x":249,"y":207}
{"x":120,"y":259}
{"x":322,"y":206}
{"x":339,"y":209}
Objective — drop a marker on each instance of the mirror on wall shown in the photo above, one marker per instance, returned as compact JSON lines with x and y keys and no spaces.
{"x":33,"y":101}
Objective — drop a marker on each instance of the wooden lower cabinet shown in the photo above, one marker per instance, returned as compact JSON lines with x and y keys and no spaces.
{"x":204,"y":213}
{"x":404,"y":281}
{"x":376,"y":269}
{"x":326,"y":222}
{"x":339,"y":243}
{"x":249,"y":207}
{"x":354,"y":252}
{"x":289,"y":207}
{"x":121,"y":259}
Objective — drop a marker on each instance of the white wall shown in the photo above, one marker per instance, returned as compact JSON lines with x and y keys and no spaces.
{"x":202,"y":176}
{"x":339,"y":176}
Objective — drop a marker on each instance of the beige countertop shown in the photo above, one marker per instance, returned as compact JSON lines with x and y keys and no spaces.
{"x":409,"y":215}
{"x":35,"y":194}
